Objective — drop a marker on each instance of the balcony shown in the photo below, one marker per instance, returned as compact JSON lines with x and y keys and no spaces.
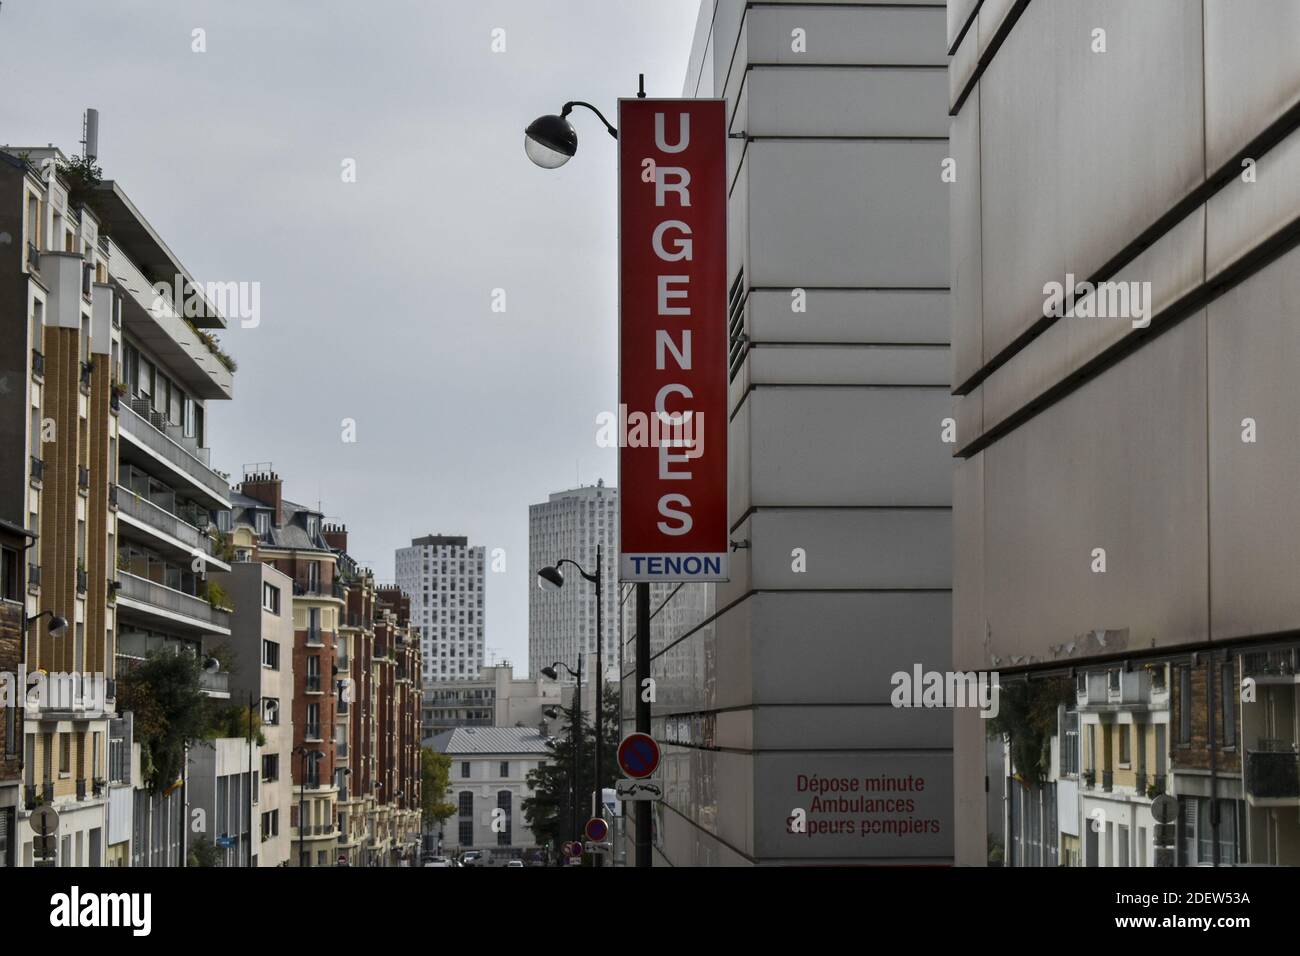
{"x":215,"y":684}
{"x":169,"y":606}
{"x":38,"y":470}
{"x":38,"y":364}
{"x":157,"y":439}
{"x":180,"y":537}
{"x":1272,"y":775}
{"x":1271,"y":667}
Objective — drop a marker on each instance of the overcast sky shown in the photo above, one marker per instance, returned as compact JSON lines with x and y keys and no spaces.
{"x":376,"y":295}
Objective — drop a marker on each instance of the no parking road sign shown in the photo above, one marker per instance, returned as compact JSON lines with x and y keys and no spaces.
{"x":638,"y":755}
{"x":596,"y":830}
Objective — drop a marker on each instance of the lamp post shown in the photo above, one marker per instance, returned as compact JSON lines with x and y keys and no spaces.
{"x":550,"y":142}
{"x":303,"y":753}
{"x":552,"y":577}
{"x":554,"y":674}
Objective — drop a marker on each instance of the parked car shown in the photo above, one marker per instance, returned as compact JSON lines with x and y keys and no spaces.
{"x":437,"y":861}
{"x":518,"y":863}
{"x":471,"y":858}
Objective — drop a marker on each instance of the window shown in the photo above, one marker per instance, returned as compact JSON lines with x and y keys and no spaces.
{"x":271,"y":711}
{"x":1125,"y":736}
{"x":504,"y":803}
{"x":313,"y":674}
{"x":466,"y":832}
{"x":65,"y":753}
{"x":270,"y":598}
{"x":9,"y":574}
{"x":270,"y":655}
{"x":1229,"y":676}
{"x":262,"y":522}
{"x":505,"y":768}
{"x":1070,"y":743}
{"x":270,"y":824}
{"x":313,"y":722}
{"x":464,"y":770}
{"x":1184,"y":706}
{"x":270,"y":768}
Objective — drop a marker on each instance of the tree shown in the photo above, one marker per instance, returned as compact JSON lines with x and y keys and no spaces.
{"x":203,"y":853}
{"x":163,"y":693}
{"x":435,"y":778}
{"x":549,"y":810}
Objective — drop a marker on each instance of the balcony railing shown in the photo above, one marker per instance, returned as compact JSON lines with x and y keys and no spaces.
{"x":169,"y":599}
{"x":38,"y":469}
{"x":1107,"y":780}
{"x":33,"y":258}
{"x":1277,"y":663}
{"x":112,"y":497}
{"x":169,"y":442}
{"x":81,"y":789}
{"x":86,"y":369}
{"x":162,"y":520}
{"x":1273,"y":774}
{"x":314,"y":637}
{"x":312,"y":732}
{"x":38,"y":363}
{"x":215,"y":682}
{"x":313,"y":683}
{"x":83,"y":581}
{"x":33,"y":575}
{"x":83,"y":477}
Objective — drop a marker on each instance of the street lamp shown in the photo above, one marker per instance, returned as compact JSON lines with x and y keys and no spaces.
{"x":553,"y":674}
{"x":552,"y":578}
{"x":303,"y":753}
{"x":550,"y":141}
{"x":57,"y":624}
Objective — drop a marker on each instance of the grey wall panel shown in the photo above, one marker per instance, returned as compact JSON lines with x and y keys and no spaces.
{"x":970,"y":819}
{"x":858,"y":35}
{"x":878,"y":205}
{"x":1149,"y":81}
{"x":841,"y":446}
{"x":1252,"y":73}
{"x":699,"y":49}
{"x":990,"y":17}
{"x":849,"y":365}
{"x":714,"y":789}
{"x":860,"y":640}
{"x":852,"y":548}
{"x":1254,"y":521}
{"x":959,"y":13}
{"x":1020,"y":136}
{"x":968,"y":565}
{"x":738,"y":457}
{"x":881,"y":727}
{"x":726,"y":68}
{"x":1119,"y":464}
{"x":1173,"y":265}
{"x":846,"y":102}
{"x":965,"y":256}
{"x":962,"y":66}
{"x":1243,"y":214}
{"x":968,"y":412}
{"x":849,"y":315}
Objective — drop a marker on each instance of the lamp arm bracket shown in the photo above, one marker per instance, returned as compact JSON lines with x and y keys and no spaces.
{"x":568,"y":108}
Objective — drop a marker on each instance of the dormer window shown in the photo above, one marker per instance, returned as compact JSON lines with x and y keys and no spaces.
{"x":313,"y":526}
{"x":262,"y":521}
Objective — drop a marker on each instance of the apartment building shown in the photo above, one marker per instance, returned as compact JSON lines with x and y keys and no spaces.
{"x":443,"y":575}
{"x":496,"y":698}
{"x":222,"y":792}
{"x":289,"y":537}
{"x":262,"y":641}
{"x":1123,"y":350}
{"x":489,"y":771}
{"x":572,"y":524}
{"x":840,"y":484}
{"x":14,"y":541}
{"x":116,"y":479}
{"x":397,"y":784}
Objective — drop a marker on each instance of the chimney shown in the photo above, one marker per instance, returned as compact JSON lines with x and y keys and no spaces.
{"x":90,"y":135}
{"x":336,"y":536}
{"x":265,"y":487}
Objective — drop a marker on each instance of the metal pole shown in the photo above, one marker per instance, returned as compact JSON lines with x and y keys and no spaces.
{"x":642,"y":712}
{"x":600,"y":693}
{"x":577,"y":751}
{"x":302,"y":801}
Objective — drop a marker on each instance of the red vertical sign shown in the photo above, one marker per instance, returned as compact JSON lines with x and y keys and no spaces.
{"x":672,"y":175}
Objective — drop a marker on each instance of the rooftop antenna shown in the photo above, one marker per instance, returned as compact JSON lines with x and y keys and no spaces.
{"x":90,"y":134}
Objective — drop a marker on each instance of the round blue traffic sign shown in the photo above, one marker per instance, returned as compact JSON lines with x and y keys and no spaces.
{"x":638,"y":755}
